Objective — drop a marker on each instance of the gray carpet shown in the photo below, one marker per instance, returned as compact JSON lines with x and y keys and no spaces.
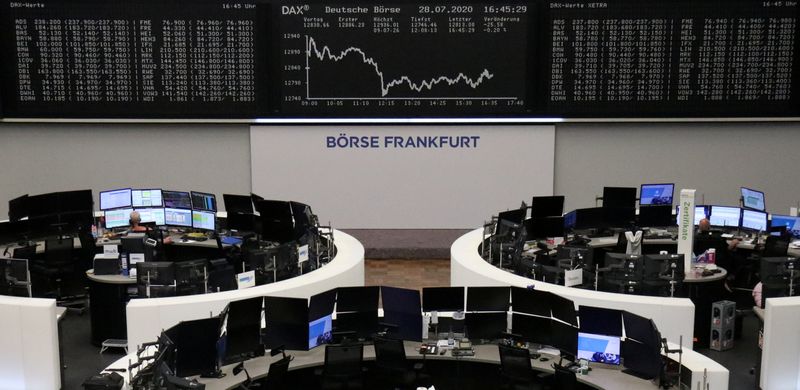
{"x":81,"y":358}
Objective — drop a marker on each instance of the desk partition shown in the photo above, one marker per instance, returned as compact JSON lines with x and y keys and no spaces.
{"x":146,"y":318}
{"x":673,"y":316}
{"x":780,"y":360}
{"x":29,"y":344}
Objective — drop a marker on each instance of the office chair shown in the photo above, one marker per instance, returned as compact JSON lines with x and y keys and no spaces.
{"x":776,"y":246}
{"x":342,"y":367}
{"x":276,"y":376}
{"x":564,"y":379}
{"x":62,"y":273}
{"x":390,"y":360}
{"x":88,"y":249}
{"x":24,"y":252}
{"x":515,"y":367}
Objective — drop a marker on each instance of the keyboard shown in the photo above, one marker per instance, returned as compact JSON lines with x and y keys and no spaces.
{"x":462,"y":352}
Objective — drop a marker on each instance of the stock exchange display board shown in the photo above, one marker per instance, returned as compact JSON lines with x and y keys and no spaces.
{"x":321,"y":59}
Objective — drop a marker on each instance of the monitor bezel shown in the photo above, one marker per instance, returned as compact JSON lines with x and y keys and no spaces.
{"x":130,"y":199}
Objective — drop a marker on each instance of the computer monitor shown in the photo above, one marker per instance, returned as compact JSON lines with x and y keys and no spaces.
{"x":565,"y":338}
{"x":534,"y":329}
{"x":286,"y":323}
{"x":544,"y":227}
{"x":624,"y":197}
{"x":530,"y":301}
{"x":485,"y":326}
{"x":619,"y":216}
{"x":725,"y":216}
{"x":357,"y":298}
{"x":238,"y":203}
{"x":277,"y":224}
{"x":655,"y":216}
{"x":204,"y":201}
{"x":401,"y":300}
{"x":754,"y":220}
{"x":640,"y":329}
{"x":402,"y":309}
{"x":115,"y":199}
{"x":641,"y":360}
{"x":176,"y":199}
{"x":657,"y":266}
{"x":320,"y":331}
{"x":74,"y":201}
{"x":204,"y":220}
{"x":178,"y":217}
{"x":442,"y":299}
{"x":600,"y":320}
{"x":624,"y":267}
{"x":362,"y":324}
{"x":547,"y":206}
{"x":117,"y":218}
{"x":243,"y":330}
{"x":656,"y":194}
{"x":153,"y":215}
{"x":569,"y":220}
{"x":488,"y":298}
{"x":599,"y":348}
{"x":303,"y":218}
{"x":753,"y":199}
{"x":190,"y":276}
{"x":14,"y":277}
{"x":322,"y":304}
{"x":792,"y":223}
{"x":18,"y":208}
{"x":146,"y":198}
{"x":700,"y":212}
{"x":196,"y":347}
{"x":509,"y":223}
{"x":157,"y":273}
{"x":564,"y":309}
{"x":589,"y":218}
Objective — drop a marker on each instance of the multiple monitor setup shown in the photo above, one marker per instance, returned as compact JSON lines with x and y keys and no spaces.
{"x":196,"y":210}
{"x":538,"y":319}
{"x":64,"y":212}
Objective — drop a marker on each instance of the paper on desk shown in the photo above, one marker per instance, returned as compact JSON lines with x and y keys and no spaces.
{"x":110,"y":249}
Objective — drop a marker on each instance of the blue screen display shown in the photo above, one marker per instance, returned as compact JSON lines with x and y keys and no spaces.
{"x":792,"y":223}
{"x":599,"y":348}
{"x":320,"y":331}
{"x":656,"y":194}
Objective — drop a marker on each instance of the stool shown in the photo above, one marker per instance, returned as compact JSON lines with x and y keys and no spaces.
{"x":114,"y":343}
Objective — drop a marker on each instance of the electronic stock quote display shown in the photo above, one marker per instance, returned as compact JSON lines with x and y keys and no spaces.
{"x":671,"y":57}
{"x":134,"y":58}
{"x":403,"y":59}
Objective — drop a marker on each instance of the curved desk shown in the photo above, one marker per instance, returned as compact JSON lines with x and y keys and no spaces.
{"x":29,"y":341}
{"x":673,"y":316}
{"x":601,"y":377}
{"x":146,"y":318}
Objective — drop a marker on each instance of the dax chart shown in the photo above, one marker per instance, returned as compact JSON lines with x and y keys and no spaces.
{"x":401,"y":59}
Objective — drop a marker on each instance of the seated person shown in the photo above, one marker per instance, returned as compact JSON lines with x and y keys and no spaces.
{"x":706,"y":239}
{"x":135,"y":221}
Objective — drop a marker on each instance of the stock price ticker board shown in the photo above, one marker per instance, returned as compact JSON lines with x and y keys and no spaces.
{"x":391,"y":59}
{"x":671,"y":57}
{"x":134,"y":59}
{"x":246,"y":59}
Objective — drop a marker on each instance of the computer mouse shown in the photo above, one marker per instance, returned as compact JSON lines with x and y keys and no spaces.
{"x":443,"y":351}
{"x":544,"y":359}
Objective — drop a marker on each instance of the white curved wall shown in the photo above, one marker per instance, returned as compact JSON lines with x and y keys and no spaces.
{"x":780,"y":361}
{"x":673,"y":316}
{"x":146,"y":318}
{"x":28,"y":344}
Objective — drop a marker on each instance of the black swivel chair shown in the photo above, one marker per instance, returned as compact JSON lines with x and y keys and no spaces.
{"x":342,"y":368}
{"x":776,"y":246}
{"x":564,"y":379}
{"x":63,"y":274}
{"x":515,"y":368}
{"x":393,"y":368}
{"x":276,"y":376}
